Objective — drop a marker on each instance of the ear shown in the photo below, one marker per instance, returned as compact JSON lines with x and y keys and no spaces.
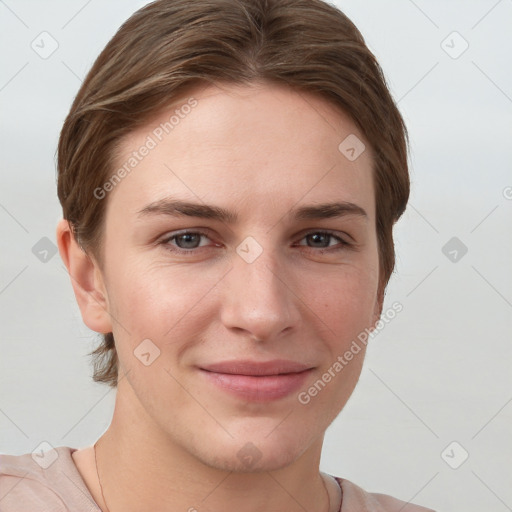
{"x":377,"y":311}
{"x":86,"y":279}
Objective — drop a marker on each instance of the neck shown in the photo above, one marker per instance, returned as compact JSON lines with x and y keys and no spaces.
{"x":141,"y":467}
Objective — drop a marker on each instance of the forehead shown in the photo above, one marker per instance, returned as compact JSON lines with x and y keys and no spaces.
{"x":262,"y":145}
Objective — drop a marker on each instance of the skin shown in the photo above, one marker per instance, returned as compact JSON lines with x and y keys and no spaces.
{"x":259,"y":151}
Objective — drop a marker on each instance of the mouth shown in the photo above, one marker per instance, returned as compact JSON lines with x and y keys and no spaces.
{"x":257,"y":381}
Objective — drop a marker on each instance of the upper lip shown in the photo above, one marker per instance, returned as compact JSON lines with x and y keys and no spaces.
{"x":247,"y":367}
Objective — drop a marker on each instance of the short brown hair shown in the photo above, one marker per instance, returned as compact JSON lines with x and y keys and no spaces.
{"x":170,"y":46}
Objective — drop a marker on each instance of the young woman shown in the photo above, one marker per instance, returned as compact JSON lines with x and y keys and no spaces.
{"x":230,"y":173}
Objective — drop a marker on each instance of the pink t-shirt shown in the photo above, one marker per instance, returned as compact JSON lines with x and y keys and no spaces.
{"x":26,"y":486}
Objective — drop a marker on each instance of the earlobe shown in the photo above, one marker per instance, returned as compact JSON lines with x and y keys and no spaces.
{"x":377,"y":311}
{"x":86,"y":279}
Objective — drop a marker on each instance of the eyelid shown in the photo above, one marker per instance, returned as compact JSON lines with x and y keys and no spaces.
{"x":192,"y":231}
{"x":334,"y":233}
{"x":342,"y":243}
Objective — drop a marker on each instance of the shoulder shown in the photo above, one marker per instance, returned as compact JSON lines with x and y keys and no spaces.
{"x":45,"y":480}
{"x":357,"y":499}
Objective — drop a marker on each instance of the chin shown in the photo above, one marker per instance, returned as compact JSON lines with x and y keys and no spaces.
{"x":249,"y":460}
{"x":257,"y":452}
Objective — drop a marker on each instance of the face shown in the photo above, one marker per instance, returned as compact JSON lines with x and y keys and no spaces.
{"x":228,"y":315}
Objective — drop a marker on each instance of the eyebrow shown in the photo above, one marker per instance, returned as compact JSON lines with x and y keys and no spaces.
{"x":177,"y":208}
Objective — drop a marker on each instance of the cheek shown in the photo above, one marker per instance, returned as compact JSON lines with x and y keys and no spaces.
{"x":159,"y":303}
{"x":345,"y":299}
{"x":343,"y":306}
{"x":173,"y":305}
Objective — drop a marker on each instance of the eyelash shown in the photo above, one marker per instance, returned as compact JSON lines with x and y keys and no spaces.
{"x":178,"y":250}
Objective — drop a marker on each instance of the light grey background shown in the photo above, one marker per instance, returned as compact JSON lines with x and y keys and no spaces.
{"x":438,"y":373}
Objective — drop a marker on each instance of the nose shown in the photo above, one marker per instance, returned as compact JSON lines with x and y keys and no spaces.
{"x":258,"y":297}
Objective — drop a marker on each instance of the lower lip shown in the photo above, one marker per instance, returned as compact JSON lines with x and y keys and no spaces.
{"x":258,"y":388}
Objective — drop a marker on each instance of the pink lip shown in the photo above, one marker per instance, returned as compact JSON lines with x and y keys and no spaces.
{"x":258,"y":381}
{"x":247,"y":367}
